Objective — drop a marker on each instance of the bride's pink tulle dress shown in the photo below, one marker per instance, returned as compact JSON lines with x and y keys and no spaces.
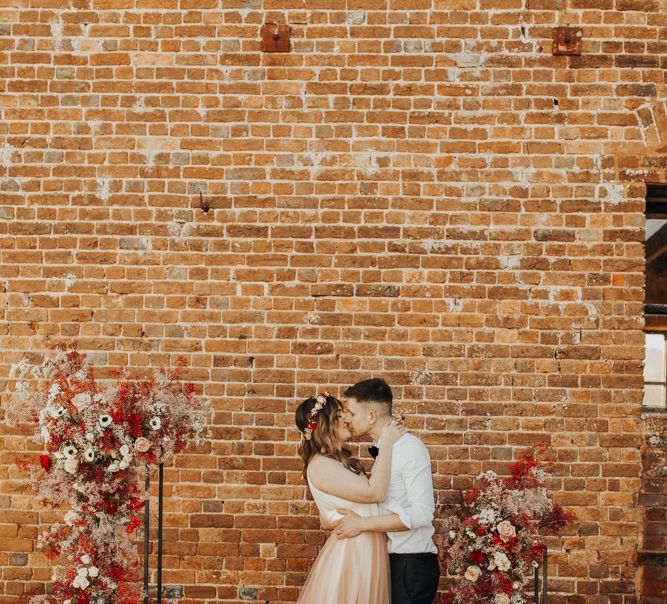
{"x":348,"y":571}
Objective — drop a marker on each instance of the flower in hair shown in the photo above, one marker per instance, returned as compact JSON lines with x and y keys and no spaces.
{"x":320,"y":401}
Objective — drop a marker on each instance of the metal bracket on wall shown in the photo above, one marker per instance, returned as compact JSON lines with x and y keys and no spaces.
{"x":567,"y":41}
{"x":275,"y":37}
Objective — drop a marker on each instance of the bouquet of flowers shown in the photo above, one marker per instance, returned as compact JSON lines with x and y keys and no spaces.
{"x":491,"y":540}
{"x":95,"y":439}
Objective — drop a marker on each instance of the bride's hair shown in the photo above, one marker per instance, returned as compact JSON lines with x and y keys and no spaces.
{"x":322,"y":440}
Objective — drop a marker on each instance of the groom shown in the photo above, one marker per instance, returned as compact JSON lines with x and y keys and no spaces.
{"x":407,"y":511}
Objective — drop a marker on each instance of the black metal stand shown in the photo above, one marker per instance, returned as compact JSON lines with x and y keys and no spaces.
{"x":147,"y":527}
{"x":159,"y":533}
{"x":536,"y":581}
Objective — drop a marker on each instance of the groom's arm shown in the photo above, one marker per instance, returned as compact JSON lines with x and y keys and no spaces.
{"x":419,"y":509}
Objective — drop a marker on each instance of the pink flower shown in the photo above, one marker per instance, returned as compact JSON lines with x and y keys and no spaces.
{"x":472,"y":573}
{"x":82,"y":400}
{"x":502,"y":599}
{"x":142,"y":444}
{"x":506,"y":530}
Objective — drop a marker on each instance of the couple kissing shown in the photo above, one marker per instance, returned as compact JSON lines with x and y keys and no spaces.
{"x":381,"y":547}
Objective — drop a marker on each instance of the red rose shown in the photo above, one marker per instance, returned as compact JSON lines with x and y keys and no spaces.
{"x":476,"y":557}
{"x":45,"y":462}
{"x":312,"y":425}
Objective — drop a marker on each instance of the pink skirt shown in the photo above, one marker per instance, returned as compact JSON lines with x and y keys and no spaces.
{"x":350,"y":571}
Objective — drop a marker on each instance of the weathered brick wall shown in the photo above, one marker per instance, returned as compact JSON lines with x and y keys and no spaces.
{"x":420,"y":190}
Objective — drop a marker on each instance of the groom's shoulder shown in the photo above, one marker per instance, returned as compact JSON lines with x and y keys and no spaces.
{"x":410,"y":442}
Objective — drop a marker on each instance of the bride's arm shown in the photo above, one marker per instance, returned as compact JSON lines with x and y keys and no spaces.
{"x":331,"y":477}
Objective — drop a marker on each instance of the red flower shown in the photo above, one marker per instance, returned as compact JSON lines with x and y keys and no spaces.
{"x":135,"y":420}
{"x":134,"y":523}
{"x":312,"y":425}
{"x":476,"y":556}
{"x":45,"y":462}
{"x":118,"y":416}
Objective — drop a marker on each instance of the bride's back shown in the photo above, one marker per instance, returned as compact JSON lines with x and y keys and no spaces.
{"x":328,"y":504}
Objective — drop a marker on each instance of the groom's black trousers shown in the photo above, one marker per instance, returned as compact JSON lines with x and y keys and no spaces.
{"x":414,"y":578}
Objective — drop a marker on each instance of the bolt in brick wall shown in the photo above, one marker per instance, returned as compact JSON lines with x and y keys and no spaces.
{"x":419,"y":190}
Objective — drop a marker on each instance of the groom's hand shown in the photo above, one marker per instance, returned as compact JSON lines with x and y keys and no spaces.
{"x":350,"y":525}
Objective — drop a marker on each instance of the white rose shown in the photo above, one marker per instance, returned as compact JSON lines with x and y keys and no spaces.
{"x":82,"y":400}
{"x":71,"y":465}
{"x":81,"y":582}
{"x":85,"y":559}
{"x":500,"y":561}
{"x":90,"y":437}
{"x":452,"y":535}
{"x":70,"y":518}
{"x":502,"y":599}
{"x":93,"y":571}
{"x":472,"y":573}
{"x":82,"y":572}
{"x":142,"y":445}
{"x":124,"y":450}
{"x":506,"y":530}
{"x":123,"y":464}
{"x":113,"y":467}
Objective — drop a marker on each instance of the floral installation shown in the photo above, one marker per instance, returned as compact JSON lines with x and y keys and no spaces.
{"x":490,"y":540}
{"x":96,"y":437}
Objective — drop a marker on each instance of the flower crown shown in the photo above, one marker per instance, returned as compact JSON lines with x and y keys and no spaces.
{"x":320,"y":401}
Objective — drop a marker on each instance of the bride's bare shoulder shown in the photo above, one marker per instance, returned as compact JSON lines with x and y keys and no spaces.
{"x":321,"y":461}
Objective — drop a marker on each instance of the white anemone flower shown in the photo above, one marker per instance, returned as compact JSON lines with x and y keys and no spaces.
{"x":105,"y":420}
{"x":69,"y":451}
{"x":155,"y":423}
{"x":89,"y":455}
{"x":56,"y":412}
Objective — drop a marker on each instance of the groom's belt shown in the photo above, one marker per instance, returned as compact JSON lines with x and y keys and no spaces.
{"x":415,"y":555}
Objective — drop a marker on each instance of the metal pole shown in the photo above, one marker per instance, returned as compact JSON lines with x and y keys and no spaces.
{"x":544,"y":577}
{"x":147,"y":526}
{"x":536,"y":586}
{"x":159,"y":533}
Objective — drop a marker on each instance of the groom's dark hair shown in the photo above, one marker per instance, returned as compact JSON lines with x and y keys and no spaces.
{"x":375,"y":390}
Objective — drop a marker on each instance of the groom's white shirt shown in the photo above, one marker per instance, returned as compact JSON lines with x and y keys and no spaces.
{"x":410,"y":496}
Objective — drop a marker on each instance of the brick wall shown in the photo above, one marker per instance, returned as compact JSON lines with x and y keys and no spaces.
{"x":419,"y":190}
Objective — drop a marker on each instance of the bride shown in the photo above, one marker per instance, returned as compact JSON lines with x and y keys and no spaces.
{"x":347,"y":571}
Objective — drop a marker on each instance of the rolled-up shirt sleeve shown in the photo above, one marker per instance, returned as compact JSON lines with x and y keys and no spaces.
{"x":416,"y":472}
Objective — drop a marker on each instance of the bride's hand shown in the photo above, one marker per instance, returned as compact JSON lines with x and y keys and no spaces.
{"x":391,"y":433}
